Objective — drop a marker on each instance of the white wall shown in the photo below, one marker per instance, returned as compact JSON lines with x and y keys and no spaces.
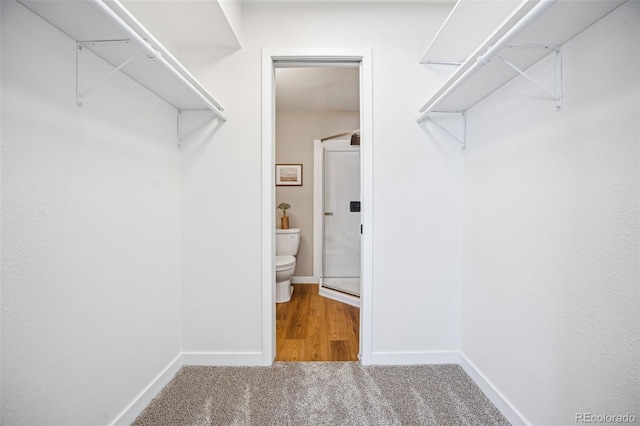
{"x":295,"y":133}
{"x":550,"y":310}
{"x":99,"y":210}
{"x":417,"y":183}
{"x":90,"y":234}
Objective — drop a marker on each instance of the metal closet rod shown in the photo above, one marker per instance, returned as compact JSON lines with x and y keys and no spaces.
{"x":483,"y":59}
{"x":106,"y":11}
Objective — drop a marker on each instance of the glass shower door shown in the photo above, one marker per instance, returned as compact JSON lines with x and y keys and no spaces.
{"x":341,"y":239}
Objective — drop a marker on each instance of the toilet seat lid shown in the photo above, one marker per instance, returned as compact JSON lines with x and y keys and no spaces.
{"x":283,"y":262}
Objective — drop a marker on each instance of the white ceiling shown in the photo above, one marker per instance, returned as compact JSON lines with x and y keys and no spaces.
{"x":318,"y":89}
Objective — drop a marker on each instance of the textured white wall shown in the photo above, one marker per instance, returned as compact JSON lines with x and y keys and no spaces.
{"x":550,"y":310}
{"x":90,"y":234}
{"x":91,"y":247}
{"x":295,"y":133}
{"x":417,"y":183}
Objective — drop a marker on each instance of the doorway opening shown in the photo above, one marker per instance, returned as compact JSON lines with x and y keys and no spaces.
{"x":273,"y":64}
{"x":312,"y":102}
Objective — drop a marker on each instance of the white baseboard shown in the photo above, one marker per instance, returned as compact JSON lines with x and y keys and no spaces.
{"x":304,"y":280}
{"x":413,"y":358}
{"x":222,"y":358}
{"x":129,"y":414}
{"x":133,"y":410}
{"x":340,"y":297}
{"x":454,"y":357}
{"x":495,"y":396}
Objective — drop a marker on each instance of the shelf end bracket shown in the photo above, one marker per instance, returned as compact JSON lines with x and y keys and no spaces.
{"x":81,"y":92}
{"x":462,"y":140}
{"x":557,"y":95}
{"x":190,"y":121}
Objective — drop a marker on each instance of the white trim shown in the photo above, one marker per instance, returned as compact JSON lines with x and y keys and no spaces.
{"x":139,"y":403}
{"x":366,"y":161}
{"x":339,"y":296}
{"x":495,"y":396}
{"x":268,"y":212}
{"x":304,"y":280}
{"x":268,"y":187}
{"x":415,"y":358}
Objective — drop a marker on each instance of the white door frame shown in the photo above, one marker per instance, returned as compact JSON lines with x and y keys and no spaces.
{"x":318,"y":216}
{"x":314,"y":57}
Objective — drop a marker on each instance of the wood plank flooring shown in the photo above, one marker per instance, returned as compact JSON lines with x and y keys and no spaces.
{"x":313,"y":328}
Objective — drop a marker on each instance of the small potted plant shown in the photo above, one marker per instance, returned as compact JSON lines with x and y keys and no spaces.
{"x":284,"y":221}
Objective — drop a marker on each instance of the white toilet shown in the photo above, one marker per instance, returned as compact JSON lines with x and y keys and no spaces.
{"x":287,"y":245}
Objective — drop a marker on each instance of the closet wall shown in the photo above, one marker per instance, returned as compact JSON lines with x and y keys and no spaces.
{"x":417,"y":184}
{"x":117,"y":246}
{"x":550,"y":306}
{"x":90,"y":233}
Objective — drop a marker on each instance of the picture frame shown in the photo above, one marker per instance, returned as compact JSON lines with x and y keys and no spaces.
{"x":288,"y":174}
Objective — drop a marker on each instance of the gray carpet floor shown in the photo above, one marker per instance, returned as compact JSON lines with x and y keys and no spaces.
{"x":321,"y":393}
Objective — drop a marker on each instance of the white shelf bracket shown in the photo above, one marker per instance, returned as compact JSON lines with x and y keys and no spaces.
{"x":462,"y":140}
{"x":557,"y":93}
{"x":190,"y":121}
{"x":81,"y":91}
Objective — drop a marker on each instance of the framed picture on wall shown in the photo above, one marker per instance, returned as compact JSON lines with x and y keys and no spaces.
{"x":288,"y":174}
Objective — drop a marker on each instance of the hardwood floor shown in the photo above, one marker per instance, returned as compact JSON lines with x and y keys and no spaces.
{"x":313,"y":328}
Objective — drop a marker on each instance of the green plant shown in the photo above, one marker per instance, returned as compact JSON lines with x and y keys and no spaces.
{"x":284,"y":207}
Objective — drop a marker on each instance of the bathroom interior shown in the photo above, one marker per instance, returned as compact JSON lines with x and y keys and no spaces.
{"x":318,"y":221}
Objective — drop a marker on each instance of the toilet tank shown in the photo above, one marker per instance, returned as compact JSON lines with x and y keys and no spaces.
{"x":287,"y":241}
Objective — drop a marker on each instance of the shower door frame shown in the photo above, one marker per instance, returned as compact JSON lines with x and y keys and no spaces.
{"x":318,"y":219}
{"x":314,"y":57}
